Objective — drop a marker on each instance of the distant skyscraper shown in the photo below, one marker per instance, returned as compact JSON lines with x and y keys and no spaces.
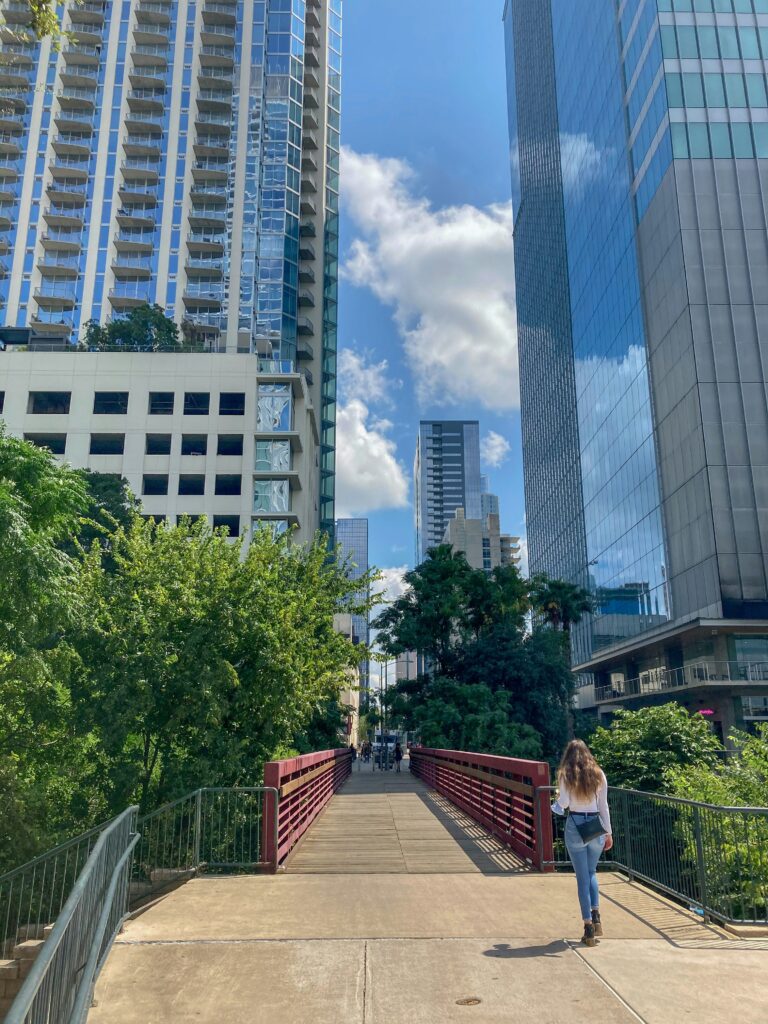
{"x":352,"y":536}
{"x":446,"y":477}
{"x":482,"y":541}
{"x":640,"y":162}
{"x":186,"y":154}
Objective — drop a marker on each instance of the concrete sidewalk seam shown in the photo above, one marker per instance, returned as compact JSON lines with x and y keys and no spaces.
{"x":594,"y":971}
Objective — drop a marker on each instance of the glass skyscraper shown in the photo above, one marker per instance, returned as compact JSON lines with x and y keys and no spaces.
{"x":184,"y":153}
{"x":352,"y":538}
{"x":446,"y":476}
{"x":639,"y":133}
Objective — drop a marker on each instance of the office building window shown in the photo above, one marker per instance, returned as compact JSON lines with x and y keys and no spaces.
{"x":194,"y":444}
{"x":231,"y":404}
{"x":275,"y":407}
{"x":228,"y":484}
{"x":107,"y":444}
{"x":55,"y":443}
{"x":192,"y":483}
{"x":2,"y":400}
{"x":230,"y":444}
{"x":49,"y":403}
{"x":112,"y":403}
{"x":272,"y":456}
{"x":155,"y":483}
{"x":161,"y":403}
{"x":197,"y":403}
{"x":230,"y":523}
{"x":158,"y":444}
{"x":271,"y":496}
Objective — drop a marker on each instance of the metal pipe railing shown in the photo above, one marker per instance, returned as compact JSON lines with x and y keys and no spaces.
{"x":497,"y":792}
{"x":712,"y":858}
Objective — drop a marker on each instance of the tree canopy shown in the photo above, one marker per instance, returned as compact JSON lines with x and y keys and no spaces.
{"x":145,"y":328}
{"x":490,"y":681}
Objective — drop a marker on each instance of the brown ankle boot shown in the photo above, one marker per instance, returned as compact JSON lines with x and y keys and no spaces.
{"x":588,"y":938}
{"x":596,"y":922}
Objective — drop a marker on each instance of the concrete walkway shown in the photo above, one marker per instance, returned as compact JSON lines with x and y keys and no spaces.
{"x":397,"y":910}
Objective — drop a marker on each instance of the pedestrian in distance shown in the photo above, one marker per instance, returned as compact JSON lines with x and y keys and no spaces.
{"x":353,"y":751}
{"x":398,"y":756}
{"x":583,"y":792}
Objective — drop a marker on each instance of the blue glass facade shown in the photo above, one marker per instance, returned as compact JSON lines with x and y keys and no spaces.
{"x":352,"y":539}
{"x":637,"y":130}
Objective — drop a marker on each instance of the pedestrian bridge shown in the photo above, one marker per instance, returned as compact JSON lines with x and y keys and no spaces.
{"x":394,"y":905}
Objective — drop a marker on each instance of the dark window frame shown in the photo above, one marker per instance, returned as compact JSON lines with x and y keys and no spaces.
{"x":193,"y":406}
{"x":221,"y":477}
{"x":190,"y":440}
{"x":186,"y":480}
{"x":120,"y":399}
{"x":33,"y":395}
{"x":100,"y":438}
{"x":229,"y":438}
{"x":228,"y":521}
{"x":166,"y":437}
{"x":232,"y":403}
{"x":154,"y":477}
{"x":159,"y":396}
{"x":38,"y":439}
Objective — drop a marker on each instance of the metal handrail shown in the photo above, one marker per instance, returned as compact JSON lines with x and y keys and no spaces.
{"x":54,"y":985}
{"x":708,"y":856}
{"x":660,"y":680}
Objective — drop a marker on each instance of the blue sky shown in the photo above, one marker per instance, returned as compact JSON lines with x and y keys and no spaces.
{"x":426,"y":300}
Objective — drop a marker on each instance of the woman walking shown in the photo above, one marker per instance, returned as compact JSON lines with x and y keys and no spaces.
{"x":583,"y":792}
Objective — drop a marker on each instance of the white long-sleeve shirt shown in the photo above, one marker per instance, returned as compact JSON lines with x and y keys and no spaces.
{"x":598,"y":804}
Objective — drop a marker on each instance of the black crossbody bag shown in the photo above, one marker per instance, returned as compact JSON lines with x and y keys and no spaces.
{"x":591,"y":828}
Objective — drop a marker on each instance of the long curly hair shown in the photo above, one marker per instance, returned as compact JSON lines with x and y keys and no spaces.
{"x":579,"y":770}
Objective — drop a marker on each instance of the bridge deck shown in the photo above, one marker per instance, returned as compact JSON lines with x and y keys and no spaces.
{"x":388,"y":822}
{"x":396,"y":910}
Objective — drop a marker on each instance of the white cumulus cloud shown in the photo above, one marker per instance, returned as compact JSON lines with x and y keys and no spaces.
{"x":447,"y":273}
{"x":360,"y":378}
{"x":369,"y":475}
{"x":494,"y":449}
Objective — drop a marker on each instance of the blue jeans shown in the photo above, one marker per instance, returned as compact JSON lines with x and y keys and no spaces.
{"x":584,"y":857}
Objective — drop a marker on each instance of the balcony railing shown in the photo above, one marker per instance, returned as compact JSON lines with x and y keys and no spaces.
{"x":702,"y":673}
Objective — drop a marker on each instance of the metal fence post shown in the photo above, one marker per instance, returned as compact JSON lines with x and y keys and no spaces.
{"x":700,"y":862}
{"x":627,"y":834}
{"x":198,"y":827}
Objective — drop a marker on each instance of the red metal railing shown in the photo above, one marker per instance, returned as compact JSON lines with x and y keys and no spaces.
{"x":304,"y":786}
{"x":499,"y":793}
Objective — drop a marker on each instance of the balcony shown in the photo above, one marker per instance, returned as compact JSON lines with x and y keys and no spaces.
{"x":61,"y":265}
{"x":69,"y":168}
{"x":219,"y":14}
{"x":310,"y":121}
{"x":218,"y":35}
{"x":64,"y":191}
{"x":127,"y":295}
{"x":72,"y":98}
{"x":79,"y":75}
{"x":151,"y":35}
{"x":212,"y":268}
{"x":154,"y":57}
{"x":62,"y":240}
{"x":711,"y":676}
{"x":214,"y":146}
{"x":306,"y":300}
{"x":311,"y":79}
{"x":70,"y":144}
{"x":149,"y":83}
{"x":133,"y":268}
{"x":17,"y":55}
{"x":140,"y":217}
{"x":306,"y":250}
{"x":142,"y":146}
{"x":61,"y":216}
{"x":210,"y":242}
{"x":151,"y":100}
{"x":309,"y":141}
{"x":14,"y":78}
{"x":138,"y":242}
{"x":9,"y":145}
{"x":304,"y":327}
{"x":202,"y":297}
{"x":86,"y":34}
{"x":145,"y":198}
{"x":74,"y":122}
{"x":138,"y":169}
{"x":213,"y":122}
{"x":153,"y":14}
{"x":215,"y":78}
{"x":217,"y":57}
{"x":308,"y":207}
{"x":308,"y":184}
{"x":52,"y":295}
{"x":17,"y":14}
{"x":306,"y":274}
{"x":216,"y":101}
{"x":87,"y":13}
{"x":82,"y":53}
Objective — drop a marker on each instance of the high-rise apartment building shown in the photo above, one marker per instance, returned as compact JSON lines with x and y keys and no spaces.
{"x":446,"y":476}
{"x":482,"y":541}
{"x":639,"y":133}
{"x":183,"y":153}
{"x":352,"y":538}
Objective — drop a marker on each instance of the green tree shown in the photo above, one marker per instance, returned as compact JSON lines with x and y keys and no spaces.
{"x":429,"y":616}
{"x":145,"y":329}
{"x":41,"y":503}
{"x":641,"y":748}
{"x":198,"y":662}
{"x":562,"y":604}
{"x":740,"y":780}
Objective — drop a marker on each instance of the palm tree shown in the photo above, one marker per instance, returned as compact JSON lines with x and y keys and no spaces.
{"x":561,"y":603}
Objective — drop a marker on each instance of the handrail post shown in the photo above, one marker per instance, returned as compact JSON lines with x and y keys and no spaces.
{"x":198,"y":826}
{"x":627,"y":834}
{"x":700,"y":862}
